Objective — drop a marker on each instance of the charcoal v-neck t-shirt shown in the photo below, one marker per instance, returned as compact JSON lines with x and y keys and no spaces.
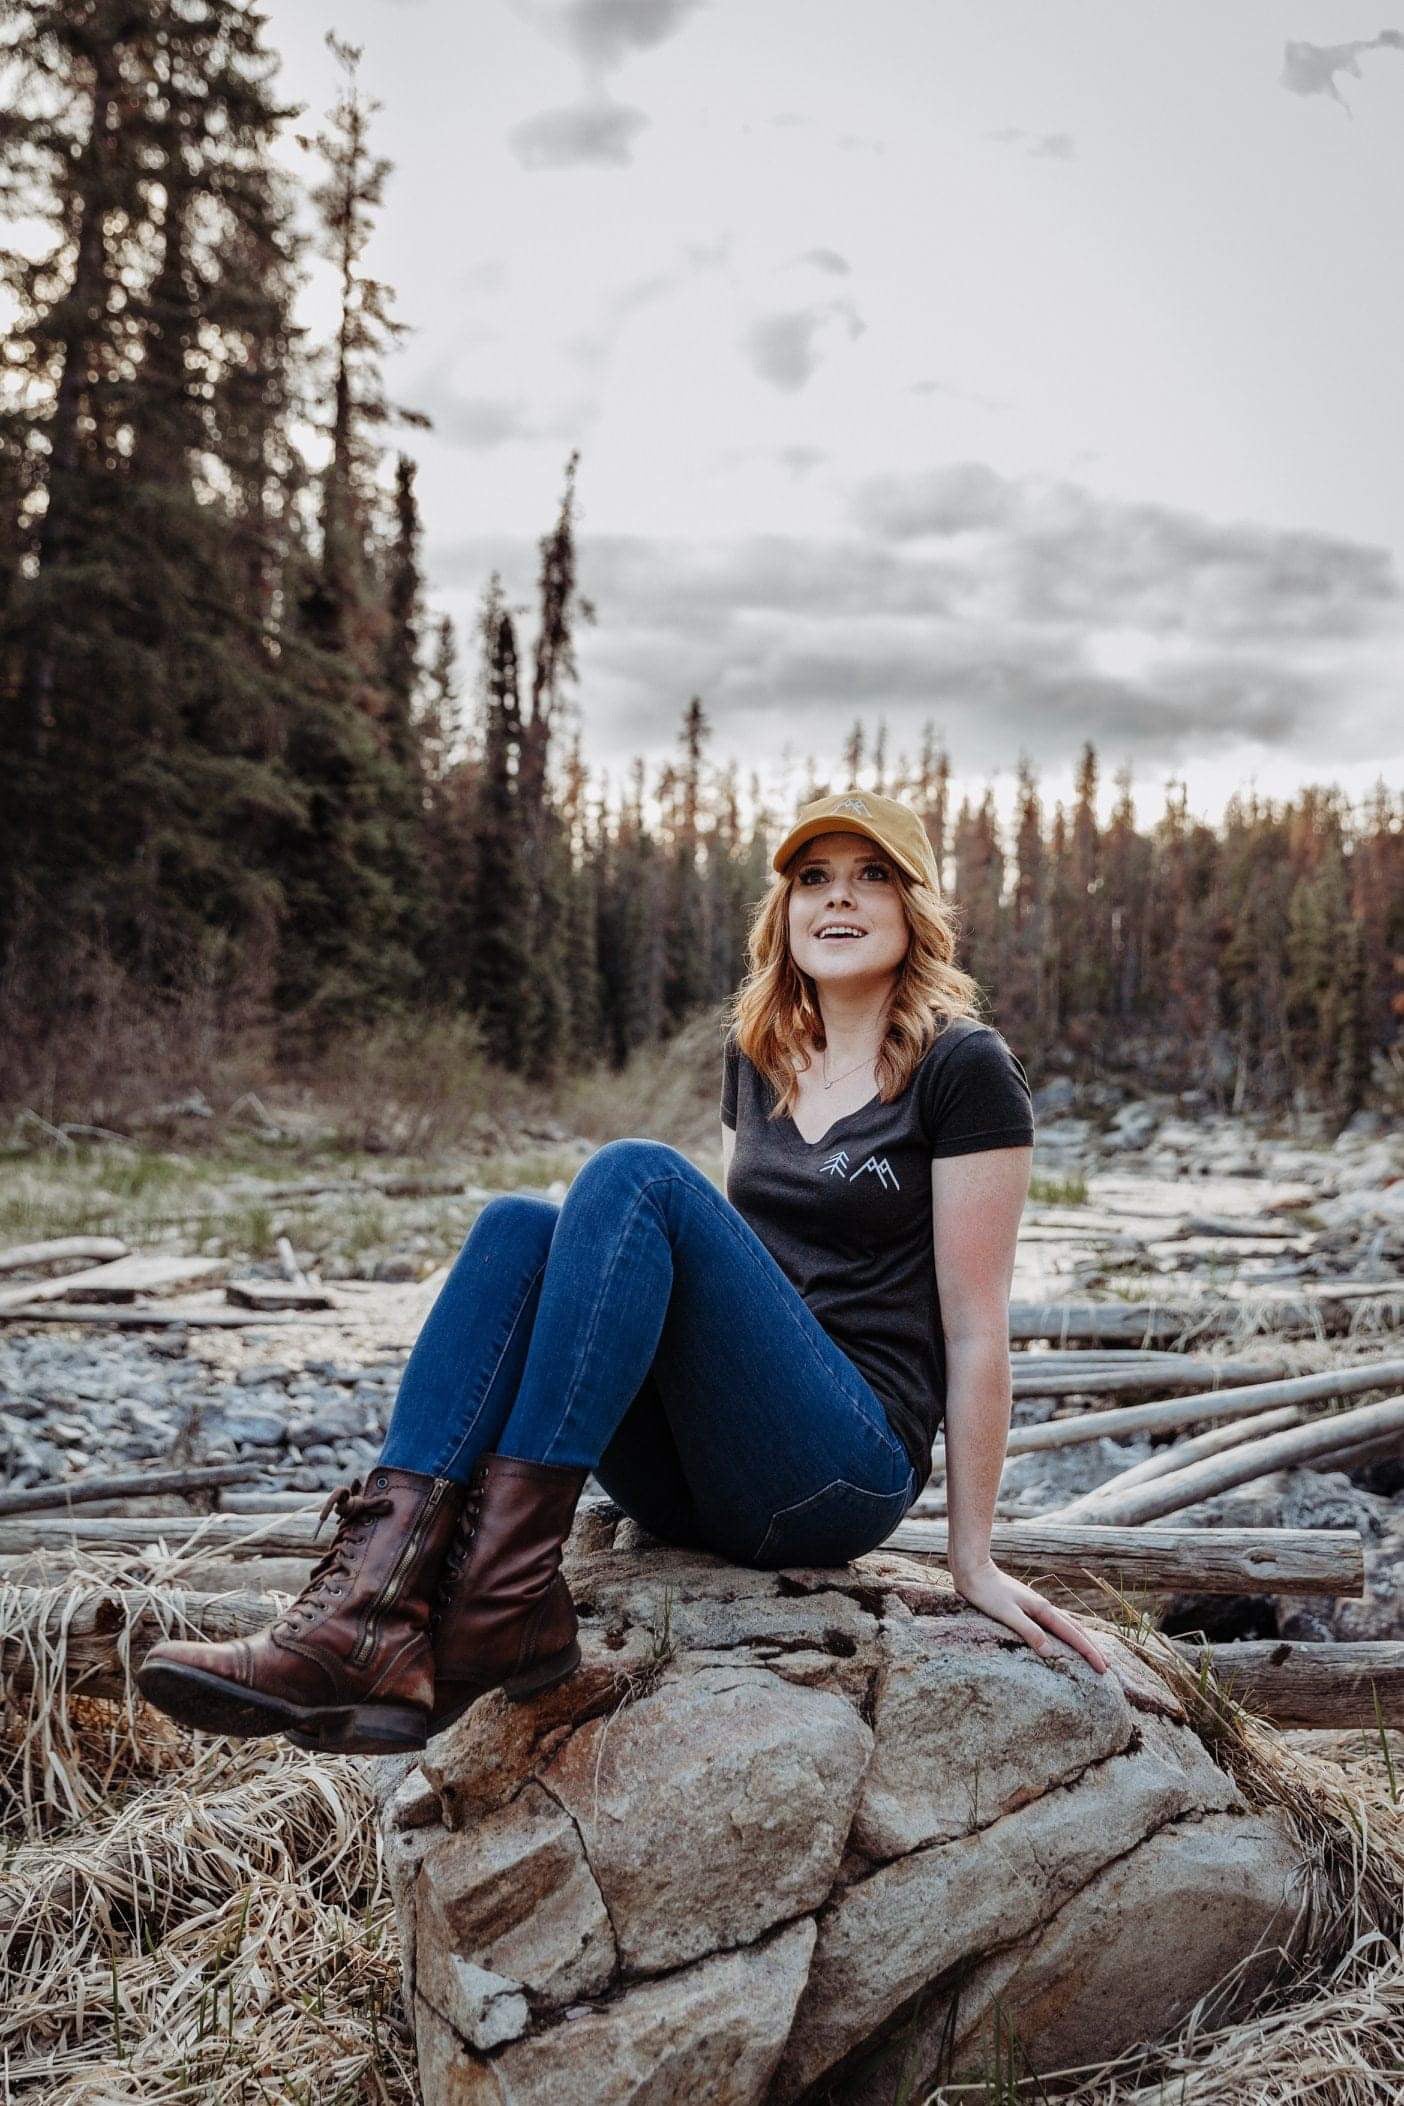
{"x":847,"y":1218}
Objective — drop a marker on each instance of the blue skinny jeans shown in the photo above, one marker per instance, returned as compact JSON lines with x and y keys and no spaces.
{"x":641,"y":1330}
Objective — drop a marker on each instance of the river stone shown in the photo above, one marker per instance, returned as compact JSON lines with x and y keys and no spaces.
{"x":712,"y":2031}
{"x":754,"y":1784}
{"x":516,"y":1892}
{"x":747,"y":1849}
{"x":943,"y":1763}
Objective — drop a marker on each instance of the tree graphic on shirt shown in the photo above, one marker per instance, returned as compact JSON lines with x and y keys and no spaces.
{"x":835,"y":1165}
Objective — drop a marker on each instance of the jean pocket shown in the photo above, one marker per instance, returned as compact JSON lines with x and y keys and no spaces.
{"x":831,"y":1526}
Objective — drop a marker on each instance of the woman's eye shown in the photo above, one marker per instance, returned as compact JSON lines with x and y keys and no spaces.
{"x":868,"y":869}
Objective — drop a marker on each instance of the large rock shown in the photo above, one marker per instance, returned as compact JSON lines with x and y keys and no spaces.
{"x":798,"y":1833}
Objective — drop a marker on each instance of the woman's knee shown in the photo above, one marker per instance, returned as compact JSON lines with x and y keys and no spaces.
{"x":631,"y":1161}
{"x":517,"y":1220}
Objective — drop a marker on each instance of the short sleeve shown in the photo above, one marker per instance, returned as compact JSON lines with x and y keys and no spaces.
{"x":730,"y":1064}
{"x":976,"y":1096}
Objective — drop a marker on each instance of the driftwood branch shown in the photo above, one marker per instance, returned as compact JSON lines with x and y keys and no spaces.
{"x":287,"y":1259}
{"x":1127,"y":1323}
{"x":1133,"y":1374}
{"x":1320,"y":1438}
{"x":149,"y":1316}
{"x":1216,"y":1405}
{"x":275,"y":1296}
{"x":1180,"y":1454}
{"x":63,"y":1250}
{"x":141,"y":1484}
{"x":121,"y":1281}
{"x":276,"y":1535}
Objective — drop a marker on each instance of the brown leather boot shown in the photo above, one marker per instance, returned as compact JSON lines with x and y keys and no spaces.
{"x":348,"y":1666}
{"x":504,"y":1618}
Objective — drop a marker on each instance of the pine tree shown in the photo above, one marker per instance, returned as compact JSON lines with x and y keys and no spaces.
{"x":144,"y":708}
{"x":687,"y":978}
{"x":1352,"y":1063}
{"x":502,"y":961}
{"x":352,"y":862}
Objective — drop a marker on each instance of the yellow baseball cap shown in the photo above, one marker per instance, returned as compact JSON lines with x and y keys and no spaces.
{"x":886,"y":819}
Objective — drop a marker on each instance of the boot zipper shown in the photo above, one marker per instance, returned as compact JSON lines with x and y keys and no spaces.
{"x":389,"y":1594}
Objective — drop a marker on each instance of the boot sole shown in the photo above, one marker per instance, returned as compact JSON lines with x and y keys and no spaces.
{"x":194,"y":1697}
{"x":516,"y":1689}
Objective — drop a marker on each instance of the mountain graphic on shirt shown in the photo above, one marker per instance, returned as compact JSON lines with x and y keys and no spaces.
{"x":882,"y":1170}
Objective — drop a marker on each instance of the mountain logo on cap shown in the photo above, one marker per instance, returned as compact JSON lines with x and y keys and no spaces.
{"x":854,"y":805}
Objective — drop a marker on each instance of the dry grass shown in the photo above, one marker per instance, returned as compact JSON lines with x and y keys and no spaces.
{"x":191,"y":1921}
{"x":182,"y":1919}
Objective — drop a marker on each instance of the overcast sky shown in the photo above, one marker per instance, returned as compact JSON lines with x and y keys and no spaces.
{"x":1025,"y":365}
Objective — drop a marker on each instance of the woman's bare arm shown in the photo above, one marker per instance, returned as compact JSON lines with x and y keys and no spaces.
{"x":976,"y":1203}
{"x":728,"y":1150}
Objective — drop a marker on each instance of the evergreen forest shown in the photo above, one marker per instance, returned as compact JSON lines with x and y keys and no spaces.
{"x":244,"y":761}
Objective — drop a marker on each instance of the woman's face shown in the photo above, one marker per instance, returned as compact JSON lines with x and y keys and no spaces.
{"x":846,"y":881}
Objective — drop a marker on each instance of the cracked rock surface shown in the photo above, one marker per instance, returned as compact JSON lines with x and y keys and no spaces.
{"x":793,"y":1835}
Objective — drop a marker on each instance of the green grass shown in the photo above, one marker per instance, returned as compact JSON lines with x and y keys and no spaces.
{"x":1058,"y":1191}
{"x":219,"y":1199}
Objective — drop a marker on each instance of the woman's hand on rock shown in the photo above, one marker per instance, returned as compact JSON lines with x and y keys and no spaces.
{"x":1024,"y":1610}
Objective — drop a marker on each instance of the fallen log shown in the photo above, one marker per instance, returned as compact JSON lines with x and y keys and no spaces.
{"x":1304,"y":1305}
{"x":1296,"y":1684}
{"x":1312,"y":1443}
{"x":63,"y":1250}
{"x":1180,"y":1454}
{"x":276,"y":1295}
{"x":151,"y":1316}
{"x":1217,"y":1405}
{"x":1132,"y":1323}
{"x":124,"y":1569}
{"x":1172,"y":1560}
{"x":1129,"y":1376}
{"x":121,"y":1281}
{"x":1204,"y":1560}
{"x":94,"y":1634}
{"x":276,"y":1535}
{"x":141,"y":1484}
{"x":1028,"y":1363}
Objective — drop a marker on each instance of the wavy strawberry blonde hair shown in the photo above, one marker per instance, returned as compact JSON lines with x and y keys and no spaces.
{"x":775,"y":1011}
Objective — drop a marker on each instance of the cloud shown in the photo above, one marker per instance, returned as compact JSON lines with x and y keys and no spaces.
{"x":1063,"y":554}
{"x":591,"y":348}
{"x":785,"y":349}
{"x":1164,"y":636}
{"x":479,"y":423}
{"x":1040,"y":146}
{"x":993,"y":403}
{"x":829,"y":261}
{"x":592,"y":133}
{"x":1311,"y":69}
{"x":602,"y":33}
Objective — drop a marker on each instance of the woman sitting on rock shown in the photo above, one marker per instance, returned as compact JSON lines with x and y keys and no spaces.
{"x":760,"y":1375}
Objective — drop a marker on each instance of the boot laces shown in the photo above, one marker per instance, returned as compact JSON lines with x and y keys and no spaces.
{"x":456,"y":1555}
{"x":353,"y":1510}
